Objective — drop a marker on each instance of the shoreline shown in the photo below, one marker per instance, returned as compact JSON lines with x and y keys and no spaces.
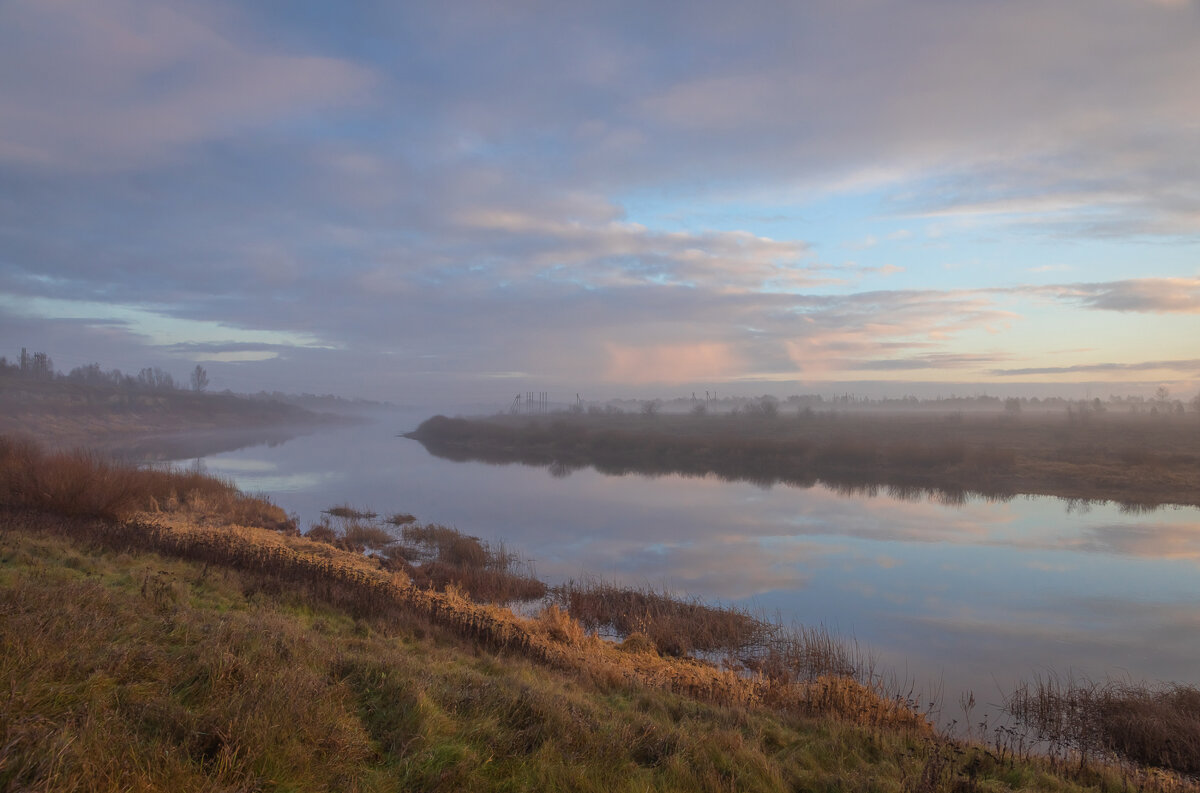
{"x":1139,"y":462}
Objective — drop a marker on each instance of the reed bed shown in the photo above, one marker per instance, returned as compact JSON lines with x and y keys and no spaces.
{"x":1151,"y":725}
{"x":432,"y":555}
{"x":687,"y":626}
{"x":439,"y":556}
{"x":676,"y":626}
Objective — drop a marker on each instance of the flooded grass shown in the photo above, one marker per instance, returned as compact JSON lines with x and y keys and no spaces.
{"x":676,"y":626}
{"x":1150,"y":725}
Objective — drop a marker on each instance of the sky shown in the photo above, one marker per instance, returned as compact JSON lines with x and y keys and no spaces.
{"x":459,"y":202}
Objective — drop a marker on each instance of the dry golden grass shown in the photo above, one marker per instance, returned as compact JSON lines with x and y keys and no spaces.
{"x":84,"y":484}
{"x":357,"y":584}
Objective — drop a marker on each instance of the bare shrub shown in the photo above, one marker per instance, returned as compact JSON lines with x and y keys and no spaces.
{"x":322,"y":532}
{"x":365,"y":535}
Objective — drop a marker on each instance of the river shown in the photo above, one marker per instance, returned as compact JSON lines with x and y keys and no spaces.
{"x":951,"y":597}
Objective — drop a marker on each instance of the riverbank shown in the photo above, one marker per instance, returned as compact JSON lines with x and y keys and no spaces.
{"x":64,"y":414}
{"x":162,"y":630}
{"x":1141,"y":461}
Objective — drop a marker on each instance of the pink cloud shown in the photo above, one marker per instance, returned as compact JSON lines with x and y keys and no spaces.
{"x":670,"y":363}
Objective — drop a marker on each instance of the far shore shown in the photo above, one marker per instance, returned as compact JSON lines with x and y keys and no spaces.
{"x":68,"y":415}
{"x":1139,"y":461}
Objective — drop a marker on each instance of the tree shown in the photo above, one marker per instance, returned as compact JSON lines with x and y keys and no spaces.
{"x":153,"y":377}
{"x":199,"y":379}
{"x":1162,"y":393}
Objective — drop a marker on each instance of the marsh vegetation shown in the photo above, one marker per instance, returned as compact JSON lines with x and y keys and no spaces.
{"x":1140,"y":460}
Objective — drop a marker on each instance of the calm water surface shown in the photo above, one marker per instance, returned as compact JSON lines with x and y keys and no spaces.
{"x":952,"y":597}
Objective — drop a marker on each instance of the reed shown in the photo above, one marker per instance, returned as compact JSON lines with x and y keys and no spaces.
{"x":1151,"y":725}
{"x":676,"y":626}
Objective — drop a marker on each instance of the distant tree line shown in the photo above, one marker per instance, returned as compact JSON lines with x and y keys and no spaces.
{"x":39,"y":366}
{"x":770,"y":407}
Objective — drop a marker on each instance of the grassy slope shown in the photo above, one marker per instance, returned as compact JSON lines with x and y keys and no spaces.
{"x":178,"y":649}
{"x":136,"y":671}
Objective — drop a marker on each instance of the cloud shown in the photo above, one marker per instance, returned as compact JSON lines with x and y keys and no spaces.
{"x":450,"y":194}
{"x":106,"y":85}
{"x":930,"y":95}
{"x":673,"y":364}
{"x":929,"y":361}
{"x":1150,"y":540}
{"x":1153,"y":295}
{"x":1190,"y":366}
{"x":618,"y":253}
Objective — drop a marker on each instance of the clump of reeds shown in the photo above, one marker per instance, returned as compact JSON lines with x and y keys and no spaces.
{"x":676,"y":626}
{"x":431,"y":555}
{"x":647,"y":618}
{"x":559,"y":625}
{"x":1152,"y":725}
{"x":439,"y":555}
{"x":352,"y":529}
{"x":806,"y":653}
{"x":347,"y":511}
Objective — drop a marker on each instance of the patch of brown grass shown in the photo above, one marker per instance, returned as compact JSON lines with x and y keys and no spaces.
{"x":84,"y":484}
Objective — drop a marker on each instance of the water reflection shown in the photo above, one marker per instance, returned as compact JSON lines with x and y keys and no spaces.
{"x":958,"y":591}
{"x":193,"y":445}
